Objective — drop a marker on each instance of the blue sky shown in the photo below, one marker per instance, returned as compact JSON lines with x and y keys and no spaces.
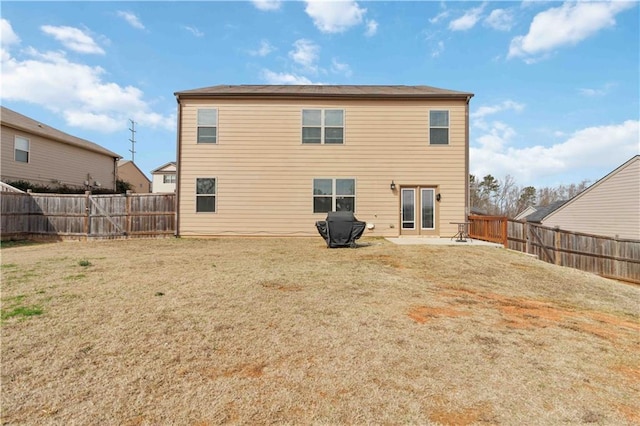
{"x":556,"y":83}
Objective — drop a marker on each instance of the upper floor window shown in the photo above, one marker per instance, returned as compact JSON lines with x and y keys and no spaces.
{"x":21,"y":149}
{"x":438,"y":127}
{"x":334,"y":195}
{"x":206,"y":195}
{"x":323,"y":126}
{"x":169,"y":178}
{"x":208,"y":125}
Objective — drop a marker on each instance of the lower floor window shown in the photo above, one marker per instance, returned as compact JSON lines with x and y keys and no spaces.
{"x":206,"y":195}
{"x":334,"y":195}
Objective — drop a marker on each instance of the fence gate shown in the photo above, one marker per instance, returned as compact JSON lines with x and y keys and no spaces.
{"x":107,"y":216}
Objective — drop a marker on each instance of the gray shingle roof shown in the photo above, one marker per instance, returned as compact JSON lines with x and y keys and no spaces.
{"x":542,"y":212}
{"x":18,"y":121}
{"x":358,"y":91}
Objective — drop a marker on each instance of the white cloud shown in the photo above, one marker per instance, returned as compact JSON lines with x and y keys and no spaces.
{"x":566,"y":25}
{"x":76,"y":91}
{"x":438,"y":49}
{"x":497,"y":137}
{"x":483,"y":111}
{"x":193,"y":30}
{"x":264,"y":49}
{"x":478,"y":116}
{"x":131,"y":18}
{"x":601,"y":147}
{"x":372,"y":28}
{"x":439,"y":17}
{"x":283,"y":78}
{"x":335,"y":16}
{"x":601,"y":91}
{"x":7,"y":36}
{"x":305,"y":53}
{"x":267,"y":5}
{"x":468,"y":20}
{"x":73,"y":38}
{"x":500,"y":19}
{"x":340,"y":68}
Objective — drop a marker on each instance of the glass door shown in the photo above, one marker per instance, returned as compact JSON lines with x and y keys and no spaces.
{"x":428,"y":211}
{"x":418,"y":211}
{"x":408,"y":210}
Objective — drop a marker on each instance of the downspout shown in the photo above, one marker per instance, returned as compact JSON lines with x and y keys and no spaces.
{"x":115,"y":174}
{"x":467,"y":207}
{"x":178,"y":170}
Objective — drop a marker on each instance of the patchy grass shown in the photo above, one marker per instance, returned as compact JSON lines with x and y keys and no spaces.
{"x":21,"y":311}
{"x":84,"y":262}
{"x":244,"y":330}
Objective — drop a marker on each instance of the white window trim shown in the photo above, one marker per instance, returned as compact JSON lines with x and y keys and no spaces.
{"x":15,"y":148}
{"x":208,"y":125}
{"x":441,"y":127}
{"x":215,"y":195}
{"x":402,"y":221}
{"x":165,"y":176}
{"x":433,"y":199}
{"x":334,"y":195}
{"x":322,"y":126}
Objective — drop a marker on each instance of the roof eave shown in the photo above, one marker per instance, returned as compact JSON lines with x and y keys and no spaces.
{"x":200,"y":95}
{"x":102,"y":151}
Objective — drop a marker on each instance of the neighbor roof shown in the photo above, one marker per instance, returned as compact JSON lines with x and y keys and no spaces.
{"x":329,"y":91}
{"x":542,"y":212}
{"x":22,"y":122}
{"x":160,"y":169}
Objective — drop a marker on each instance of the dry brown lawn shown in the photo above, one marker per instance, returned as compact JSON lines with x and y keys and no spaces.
{"x":285,"y":331}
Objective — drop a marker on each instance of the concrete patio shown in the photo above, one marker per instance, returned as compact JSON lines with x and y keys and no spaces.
{"x":441,"y":242}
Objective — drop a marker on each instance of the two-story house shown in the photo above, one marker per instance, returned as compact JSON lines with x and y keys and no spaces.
{"x":164,"y":178}
{"x":272,"y":160}
{"x":40,"y":154}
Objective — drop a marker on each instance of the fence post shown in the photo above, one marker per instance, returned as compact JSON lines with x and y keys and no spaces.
{"x":128,"y":212}
{"x":557,"y":254}
{"x":505,"y":230}
{"x":87,"y":214}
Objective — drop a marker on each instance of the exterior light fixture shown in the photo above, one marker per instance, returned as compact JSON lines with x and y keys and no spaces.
{"x":438,"y":197}
{"x":392,"y":186}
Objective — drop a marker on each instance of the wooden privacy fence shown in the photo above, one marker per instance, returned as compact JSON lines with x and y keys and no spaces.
{"x":605,"y":256}
{"x":86,"y":216}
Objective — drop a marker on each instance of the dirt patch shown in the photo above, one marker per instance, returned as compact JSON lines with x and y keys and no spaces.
{"x":422,"y":314}
{"x":629,"y":373}
{"x":632,"y":414}
{"x":524,"y":313}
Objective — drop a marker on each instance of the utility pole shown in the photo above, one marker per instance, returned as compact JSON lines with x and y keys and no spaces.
{"x":133,"y":140}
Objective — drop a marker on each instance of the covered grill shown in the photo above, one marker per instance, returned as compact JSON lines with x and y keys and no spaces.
{"x":341,"y":229}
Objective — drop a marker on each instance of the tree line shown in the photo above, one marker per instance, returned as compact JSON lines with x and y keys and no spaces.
{"x":505,"y":198}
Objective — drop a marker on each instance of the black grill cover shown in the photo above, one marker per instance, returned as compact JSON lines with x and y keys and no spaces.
{"x":341,"y":229}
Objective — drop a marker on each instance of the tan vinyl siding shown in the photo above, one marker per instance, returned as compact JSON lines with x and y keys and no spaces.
{"x":128,"y":172}
{"x":52,"y":161}
{"x":610,"y":207}
{"x":265,"y":174}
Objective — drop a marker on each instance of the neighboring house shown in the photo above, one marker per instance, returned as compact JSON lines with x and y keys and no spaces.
{"x":526,"y":212}
{"x":273,"y":160}
{"x":164,"y":178}
{"x":609,"y":207}
{"x":42,"y":155}
{"x":129,"y":172}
